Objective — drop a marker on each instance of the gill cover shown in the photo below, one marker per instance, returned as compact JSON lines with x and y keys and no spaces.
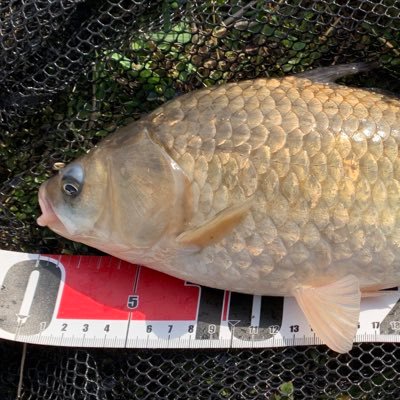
{"x":145,"y":186}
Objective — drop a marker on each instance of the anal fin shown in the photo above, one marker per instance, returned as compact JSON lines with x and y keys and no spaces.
{"x":333,"y":311}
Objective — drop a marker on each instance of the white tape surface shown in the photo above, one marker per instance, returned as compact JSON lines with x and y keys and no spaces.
{"x":104,"y":302}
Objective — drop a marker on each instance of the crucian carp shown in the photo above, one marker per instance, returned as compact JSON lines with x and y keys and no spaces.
{"x":283,"y":186}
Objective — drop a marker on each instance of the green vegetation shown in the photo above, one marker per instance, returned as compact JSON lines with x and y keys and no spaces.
{"x":210,"y":44}
{"x":285,"y":392}
{"x":191,"y":46}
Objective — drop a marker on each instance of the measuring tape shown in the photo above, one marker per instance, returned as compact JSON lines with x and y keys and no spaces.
{"x":91,"y":301}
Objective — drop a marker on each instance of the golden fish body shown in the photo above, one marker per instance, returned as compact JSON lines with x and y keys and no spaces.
{"x":285,"y":186}
{"x":321,"y":165}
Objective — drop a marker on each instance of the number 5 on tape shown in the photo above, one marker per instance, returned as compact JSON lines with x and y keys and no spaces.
{"x":133,"y":301}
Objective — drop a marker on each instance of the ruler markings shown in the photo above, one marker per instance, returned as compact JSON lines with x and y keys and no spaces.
{"x":134,"y":289}
{"x":261,"y":322}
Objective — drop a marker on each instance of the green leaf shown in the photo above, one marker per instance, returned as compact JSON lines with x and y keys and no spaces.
{"x":286,"y":389}
{"x":268,"y":30}
{"x":286,"y":67}
{"x":180,"y":33}
{"x":145,"y":73}
{"x":287,"y":43}
{"x":138,"y":44}
{"x":298,"y":46}
{"x":123,"y":61}
{"x":153,"y":80}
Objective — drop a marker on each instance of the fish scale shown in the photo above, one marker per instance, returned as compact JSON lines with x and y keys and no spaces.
{"x":285,"y":186}
{"x":336,"y":181}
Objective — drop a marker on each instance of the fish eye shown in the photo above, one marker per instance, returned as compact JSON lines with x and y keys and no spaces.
{"x":72,"y":179}
{"x":71,"y":189}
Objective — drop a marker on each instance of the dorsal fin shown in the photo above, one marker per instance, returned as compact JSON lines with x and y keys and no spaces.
{"x":333,"y":73}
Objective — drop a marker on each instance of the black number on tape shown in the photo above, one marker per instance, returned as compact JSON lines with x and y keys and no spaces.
{"x":294,"y":328}
{"x":133,"y":301}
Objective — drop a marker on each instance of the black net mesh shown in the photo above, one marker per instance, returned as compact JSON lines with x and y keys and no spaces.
{"x":72,"y":71}
{"x":370,"y":371}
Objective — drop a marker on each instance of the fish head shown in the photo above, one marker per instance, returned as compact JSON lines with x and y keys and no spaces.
{"x":124,"y":194}
{"x":71,"y":200}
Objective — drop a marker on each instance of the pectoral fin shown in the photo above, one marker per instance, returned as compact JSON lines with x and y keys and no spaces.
{"x":333,"y":311}
{"x":214,"y":230}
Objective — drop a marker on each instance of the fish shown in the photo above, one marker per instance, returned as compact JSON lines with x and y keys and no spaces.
{"x":284,"y":186}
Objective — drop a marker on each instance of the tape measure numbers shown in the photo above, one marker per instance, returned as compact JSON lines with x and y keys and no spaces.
{"x":96,"y":301}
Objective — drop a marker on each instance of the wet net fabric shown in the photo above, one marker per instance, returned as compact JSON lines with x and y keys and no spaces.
{"x":72,"y":71}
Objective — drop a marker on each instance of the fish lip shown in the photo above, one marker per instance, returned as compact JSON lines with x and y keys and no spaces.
{"x":48,"y":215}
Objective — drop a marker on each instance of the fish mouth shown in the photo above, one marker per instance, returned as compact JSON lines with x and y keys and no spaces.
{"x":48,"y":216}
